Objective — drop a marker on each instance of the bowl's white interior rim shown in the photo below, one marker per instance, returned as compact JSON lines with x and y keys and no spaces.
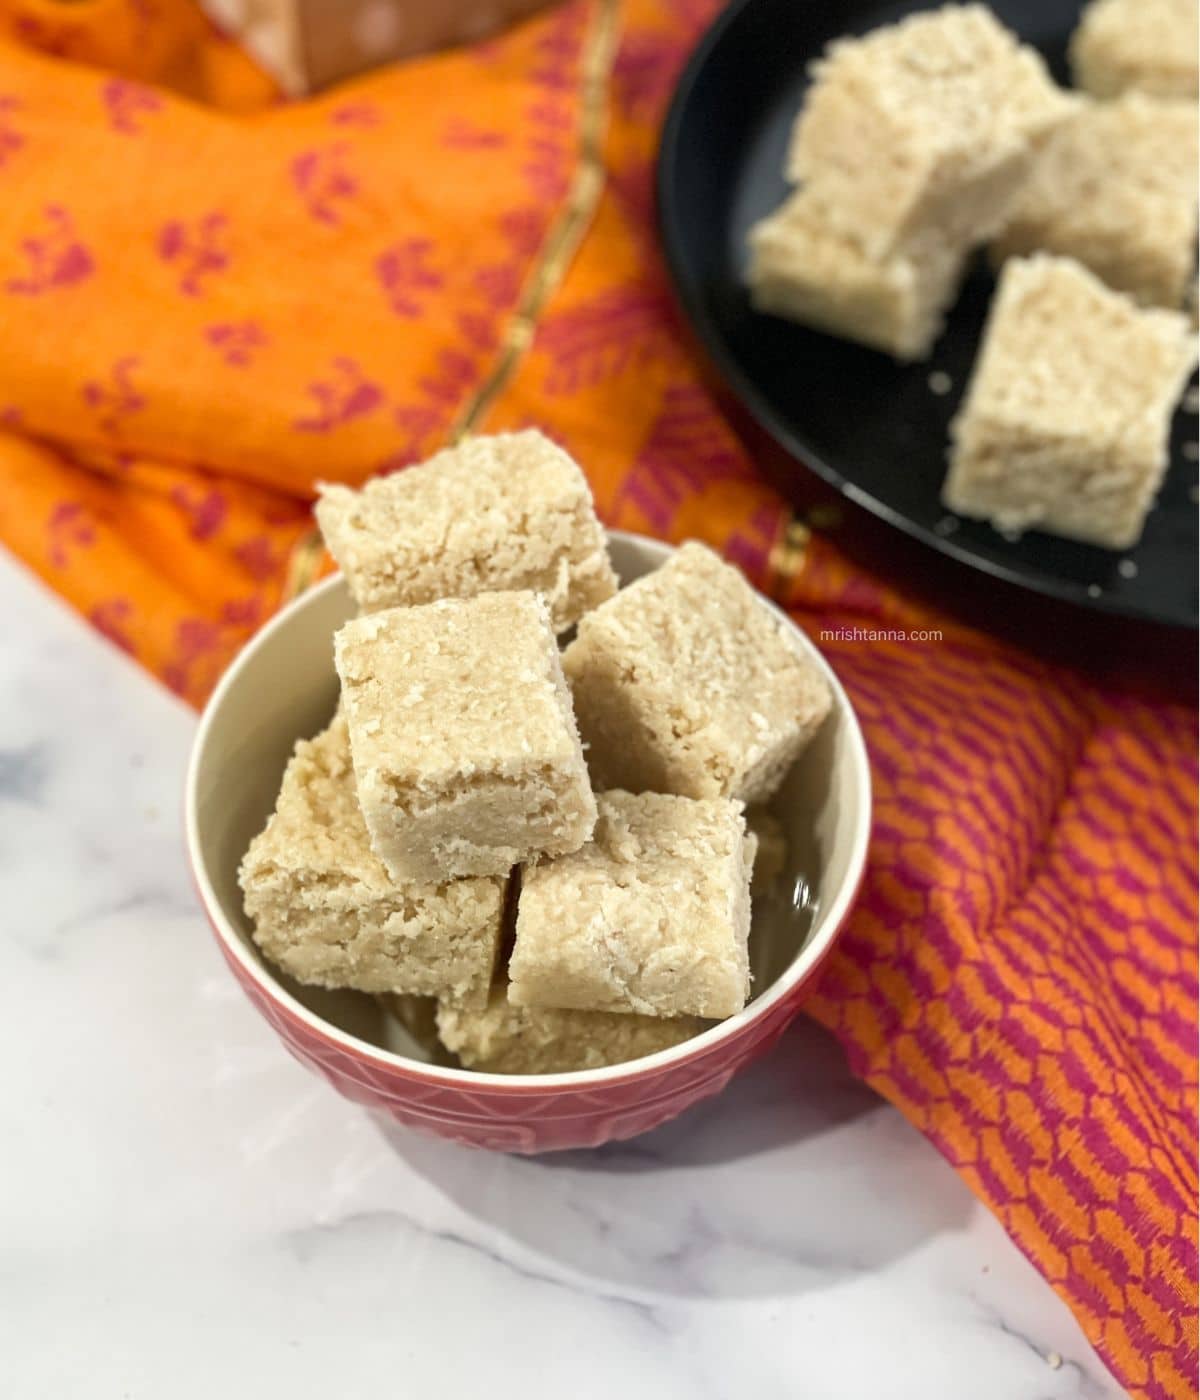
{"x":830,"y":916}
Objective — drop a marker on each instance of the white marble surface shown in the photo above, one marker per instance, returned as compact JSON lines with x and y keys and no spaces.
{"x":185,"y":1212}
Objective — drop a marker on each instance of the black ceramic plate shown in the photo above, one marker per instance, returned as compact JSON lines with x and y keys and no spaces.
{"x":872,"y":428}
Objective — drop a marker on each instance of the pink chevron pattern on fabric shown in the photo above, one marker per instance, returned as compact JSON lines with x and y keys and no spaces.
{"x":1020,"y":973}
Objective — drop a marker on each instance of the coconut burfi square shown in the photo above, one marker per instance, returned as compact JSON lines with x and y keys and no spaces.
{"x":505,"y":1039}
{"x":327,"y":912}
{"x":802,"y":270}
{"x":1116,"y":189}
{"x":1065,"y":423}
{"x":464,"y":744}
{"x":1147,"y":45}
{"x":929,"y":123}
{"x":686,"y":682}
{"x":507,"y":512}
{"x":650,"y":917}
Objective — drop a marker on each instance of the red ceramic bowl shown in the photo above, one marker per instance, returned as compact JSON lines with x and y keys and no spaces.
{"x":283,"y":687}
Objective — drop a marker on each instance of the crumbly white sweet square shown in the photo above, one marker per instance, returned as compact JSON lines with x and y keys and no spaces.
{"x":510,"y":511}
{"x":1066,"y":421}
{"x":505,"y":1039}
{"x":327,"y":912}
{"x":1116,"y":189}
{"x":805,"y":271}
{"x":930,"y":123}
{"x":464,"y":743}
{"x":686,"y":682}
{"x":1147,"y":45}
{"x":650,"y":917}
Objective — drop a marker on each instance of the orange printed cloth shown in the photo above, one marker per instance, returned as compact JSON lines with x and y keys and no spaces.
{"x":209,"y":299}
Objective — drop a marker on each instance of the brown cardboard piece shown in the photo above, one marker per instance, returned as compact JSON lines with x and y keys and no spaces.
{"x":308,"y":44}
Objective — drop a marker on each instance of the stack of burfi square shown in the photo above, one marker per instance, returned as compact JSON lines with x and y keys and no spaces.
{"x":693,"y":700}
{"x":454,"y":755}
{"x":448,"y":811}
{"x":1065,"y":422}
{"x":910,"y":148}
{"x":929,"y":123}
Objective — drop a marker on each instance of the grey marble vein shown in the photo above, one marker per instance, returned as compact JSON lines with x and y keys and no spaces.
{"x":23,"y":773}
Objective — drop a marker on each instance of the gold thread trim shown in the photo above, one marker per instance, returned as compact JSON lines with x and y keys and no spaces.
{"x":571,"y":224}
{"x":559,"y":247}
{"x":303,"y":564}
{"x":787,"y":554}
